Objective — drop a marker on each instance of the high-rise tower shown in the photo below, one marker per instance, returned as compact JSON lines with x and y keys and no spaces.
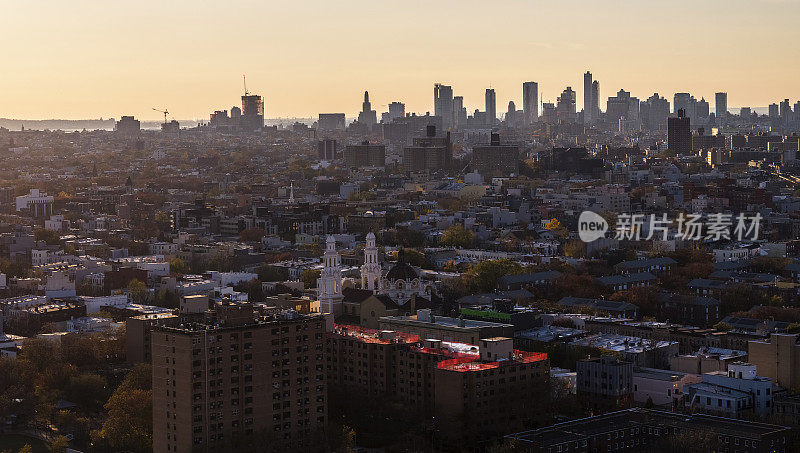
{"x":530,"y":102}
{"x":491,"y":107}
{"x":588,"y":103}
{"x":367,"y":116}
{"x":721,"y":107}
{"x":443,"y":104}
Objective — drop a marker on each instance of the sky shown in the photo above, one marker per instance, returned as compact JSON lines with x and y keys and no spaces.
{"x":90,"y":59}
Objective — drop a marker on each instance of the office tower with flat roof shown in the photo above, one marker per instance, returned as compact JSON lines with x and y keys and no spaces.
{"x":252,"y":112}
{"x":429,"y":153}
{"x":679,"y":134}
{"x":326,"y":149}
{"x":459,"y":112}
{"x":654,"y":112}
{"x":491,"y":107}
{"x":721,"y":107}
{"x":396,"y":110}
{"x":588,"y":103}
{"x":495,"y":158}
{"x":365,"y":154}
{"x":443,"y":104}
{"x":685,"y":102}
{"x":128,"y":126}
{"x":530,"y":102}
{"x":236,"y":380}
{"x":595,"y":101}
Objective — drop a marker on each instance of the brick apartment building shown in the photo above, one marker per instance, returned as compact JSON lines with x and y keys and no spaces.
{"x":237,"y":381}
{"x":484,"y":389}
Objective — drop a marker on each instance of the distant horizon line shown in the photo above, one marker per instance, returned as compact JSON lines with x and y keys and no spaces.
{"x":765,"y":109}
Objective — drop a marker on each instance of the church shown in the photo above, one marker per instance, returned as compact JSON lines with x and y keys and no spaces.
{"x":400,"y":291}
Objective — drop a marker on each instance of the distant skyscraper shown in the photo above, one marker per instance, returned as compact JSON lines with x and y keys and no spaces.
{"x":721,"y":107}
{"x":443,"y":104}
{"x":252,"y":112}
{"x":588,"y":103}
{"x":702,"y":110}
{"x":491,"y":107}
{"x":654,"y":112}
{"x":774,"y":111}
{"x":530,"y":102}
{"x":679,"y":134}
{"x":745,"y":113}
{"x":595,"y":101}
{"x":459,"y":112}
{"x":623,"y":107}
{"x":685,"y":102}
{"x":565,"y":107}
{"x":397,"y":110}
{"x":785,"y":111}
{"x":511,"y":114}
{"x":367,"y":116}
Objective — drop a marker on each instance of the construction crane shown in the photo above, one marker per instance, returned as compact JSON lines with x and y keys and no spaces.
{"x":165,"y":112}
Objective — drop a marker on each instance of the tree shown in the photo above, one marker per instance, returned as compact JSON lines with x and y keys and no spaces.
{"x":137,"y":291}
{"x":59,"y":445}
{"x":50,"y":237}
{"x":649,"y":403}
{"x":267,"y":273}
{"x":130,"y":421}
{"x":416,"y":258}
{"x":88,"y":391}
{"x":575,"y":249}
{"x":309,"y":277}
{"x":484,"y":275}
{"x":221,"y":261}
{"x":252,"y":235}
{"x":177,"y":266}
{"x":555,"y":226}
{"x":723,"y":326}
{"x":457,"y":236}
{"x":138,"y":378}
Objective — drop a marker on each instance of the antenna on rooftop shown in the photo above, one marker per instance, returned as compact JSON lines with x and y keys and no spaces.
{"x":244,"y":80}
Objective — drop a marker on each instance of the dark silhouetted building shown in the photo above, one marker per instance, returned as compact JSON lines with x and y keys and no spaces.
{"x":530,"y":102}
{"x":252,"y":112}
{"x":365,"y":155}
{"x":496,"y":158}
{"x":430,"y":152}
{"x":679,"y":134}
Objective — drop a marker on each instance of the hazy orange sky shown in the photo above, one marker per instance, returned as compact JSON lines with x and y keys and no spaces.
{"x":87,"y":59}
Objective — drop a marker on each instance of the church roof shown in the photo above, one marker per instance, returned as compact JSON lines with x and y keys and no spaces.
{"x":402,"y":271}
{"x":355,"y":295}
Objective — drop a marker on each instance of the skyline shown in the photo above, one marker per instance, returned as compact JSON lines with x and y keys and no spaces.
{"x":317,"y":58}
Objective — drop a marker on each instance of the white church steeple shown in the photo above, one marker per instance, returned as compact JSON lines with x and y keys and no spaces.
{"x":329,"y":284}
{"x":371,"y":270}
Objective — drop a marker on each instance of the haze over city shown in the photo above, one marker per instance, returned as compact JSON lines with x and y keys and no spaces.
{"x":91,"y":59}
